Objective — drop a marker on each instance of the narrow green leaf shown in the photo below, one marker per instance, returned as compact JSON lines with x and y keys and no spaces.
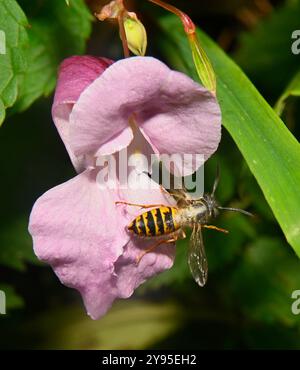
{"x":2,"y":111}
{"x":293,"y":89}
{"x":203,"y":65}
{"x":270,"y":150}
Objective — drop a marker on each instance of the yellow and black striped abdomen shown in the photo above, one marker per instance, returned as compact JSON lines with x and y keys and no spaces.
{"x":158,"y":221}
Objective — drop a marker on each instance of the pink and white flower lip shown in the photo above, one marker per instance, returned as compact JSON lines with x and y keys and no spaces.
{"x":76,"y":227}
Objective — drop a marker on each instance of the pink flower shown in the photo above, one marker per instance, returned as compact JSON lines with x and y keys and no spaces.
{"x":76,"y":227}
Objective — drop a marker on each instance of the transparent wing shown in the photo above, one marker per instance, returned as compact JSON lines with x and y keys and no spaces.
{"x":181,"y":197}
{"x":196,"y":256}
{"x":180,"y":194}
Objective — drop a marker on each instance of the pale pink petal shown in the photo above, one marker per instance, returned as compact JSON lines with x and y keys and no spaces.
{"x":75,"y":74}
{"x":78,"y":231}
{"x":77,"y":228}
{"x":131,"y":275}
{"x":187,"y":120}
{"x":110,"y":101}
{"x":176,"y":114}
{"x":116,"y":143}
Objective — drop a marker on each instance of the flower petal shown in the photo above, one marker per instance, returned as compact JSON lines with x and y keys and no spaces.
{"x":176,"y":114}
{"x":77,"y":230}
{"x":185,"y":118}
{"x":110,"y":101}
{"x":131,"y":275}
{"x":75,"y":74}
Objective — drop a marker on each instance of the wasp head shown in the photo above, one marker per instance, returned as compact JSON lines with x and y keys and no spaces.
{"x":211,"y":204}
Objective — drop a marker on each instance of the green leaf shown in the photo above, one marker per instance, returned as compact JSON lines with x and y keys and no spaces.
{"x":16,"y":245}
{"x":40,"y":76}
{"x":293,"y":89}
{"x":2,"y":112}
{"x":270,"y":150}
{"x":13,"y":63}
{"x":29,"y":67}
{"x":47,"y":47}
{"x":12,"y":299}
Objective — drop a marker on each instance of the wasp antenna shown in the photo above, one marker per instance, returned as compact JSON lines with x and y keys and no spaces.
{"x":236,"y":210}
{"x":216,"y":180}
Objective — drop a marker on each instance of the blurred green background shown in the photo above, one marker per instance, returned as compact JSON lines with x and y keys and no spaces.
{"x":252,"y":271}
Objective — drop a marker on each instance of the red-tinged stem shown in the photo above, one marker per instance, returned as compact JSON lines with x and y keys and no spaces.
{"x":188,"y":24}
{"x":123,"y":35}
{"x":206,"y":76}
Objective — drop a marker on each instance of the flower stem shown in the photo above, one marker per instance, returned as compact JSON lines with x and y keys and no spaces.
{"x":116,"y":10}
{"x":188,"y":24}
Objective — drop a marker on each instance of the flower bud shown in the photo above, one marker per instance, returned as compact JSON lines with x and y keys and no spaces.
{"x":136,"y":34}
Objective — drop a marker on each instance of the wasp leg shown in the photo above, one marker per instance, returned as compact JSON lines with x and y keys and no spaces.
{"x":143,"y":205}
{"x":212,"y":227}
{"x":181,"y":234}
{"x":173,"y":240}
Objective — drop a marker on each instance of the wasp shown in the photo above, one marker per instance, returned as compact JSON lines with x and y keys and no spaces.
{"x":169,"y":223}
